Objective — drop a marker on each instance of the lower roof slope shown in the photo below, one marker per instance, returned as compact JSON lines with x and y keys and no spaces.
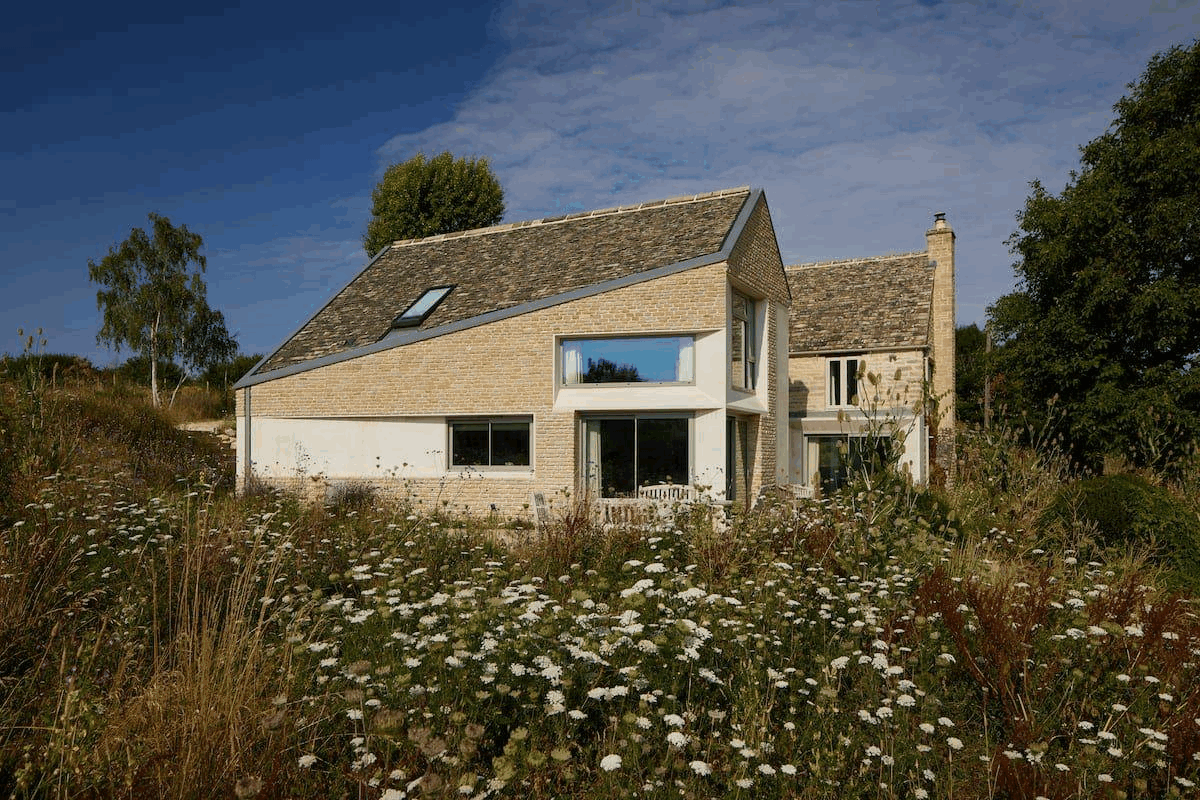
{"x":509,"y":265}
{"x":875,"y":303}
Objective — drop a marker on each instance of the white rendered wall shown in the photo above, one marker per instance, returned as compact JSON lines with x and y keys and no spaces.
{"x":709,"y":452}
{"x":346,"y":448}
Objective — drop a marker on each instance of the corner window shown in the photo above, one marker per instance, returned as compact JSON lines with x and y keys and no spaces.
{"x":631,"y":359}
{"x":490,"y":442}
{"x":743,"y":344}
{"x":844,"y":375}
{"x":421,"y":308}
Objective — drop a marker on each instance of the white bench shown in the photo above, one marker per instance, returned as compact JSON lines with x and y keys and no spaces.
{"x":667,"y":492}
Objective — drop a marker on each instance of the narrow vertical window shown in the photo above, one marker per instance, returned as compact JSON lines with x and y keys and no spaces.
{"x":743,"y":343}
{"x":844,"y":375}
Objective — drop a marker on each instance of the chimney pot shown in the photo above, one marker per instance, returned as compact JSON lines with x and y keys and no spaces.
{"x":939,"y":219}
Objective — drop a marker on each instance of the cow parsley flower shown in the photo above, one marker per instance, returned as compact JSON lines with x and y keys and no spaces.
{"x":677,"y":739}
{"x":610,"y":762}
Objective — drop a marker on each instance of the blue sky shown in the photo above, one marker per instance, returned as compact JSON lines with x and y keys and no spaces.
{"x":264,"y":129}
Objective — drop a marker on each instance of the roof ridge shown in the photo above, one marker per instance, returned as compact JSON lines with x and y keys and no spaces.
{"x":601,"y":212}
{"x":845,"y":262}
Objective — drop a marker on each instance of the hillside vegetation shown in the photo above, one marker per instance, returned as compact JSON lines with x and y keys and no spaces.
{"x":160,"y":637}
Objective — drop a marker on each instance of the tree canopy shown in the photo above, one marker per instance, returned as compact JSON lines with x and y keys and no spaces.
{"x":1107,"y":313}
{"x":970,"y":373}
{"x":424,"y":197}
{"x":155,"y":305}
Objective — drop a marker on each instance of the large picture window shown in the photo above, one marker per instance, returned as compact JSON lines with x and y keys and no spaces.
{"x":623,"y":453}
{"x":629,"y":359}
{"x":490,"y":443}
{"x":743,"y":344}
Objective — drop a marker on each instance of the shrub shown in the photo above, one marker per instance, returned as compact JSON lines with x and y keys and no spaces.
{"x":1129,"y":510}
{"x":51,"y":367}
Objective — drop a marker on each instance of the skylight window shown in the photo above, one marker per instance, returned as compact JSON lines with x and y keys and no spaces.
{"x":424,"y":305}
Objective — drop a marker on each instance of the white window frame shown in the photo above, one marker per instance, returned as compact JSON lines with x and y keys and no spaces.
{"x":686,"y":366}
{"x":838,"y":394}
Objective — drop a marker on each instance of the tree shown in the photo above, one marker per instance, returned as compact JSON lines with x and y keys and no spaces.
{"x":426,"y":197}
{"x":604,"y":371}
{"x":1107,"y":313}
{"x":154,"y":305}
{"x":970,"y":373}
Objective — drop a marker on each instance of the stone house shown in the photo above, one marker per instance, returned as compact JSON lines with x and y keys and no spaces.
{"x":871,"y":342}
{"x":590,"y":354}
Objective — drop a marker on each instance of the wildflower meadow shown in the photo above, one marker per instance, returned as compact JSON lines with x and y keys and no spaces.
{"x":161,"y":636}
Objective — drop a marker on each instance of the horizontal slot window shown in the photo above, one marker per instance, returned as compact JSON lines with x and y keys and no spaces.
{"x":633,"y":359}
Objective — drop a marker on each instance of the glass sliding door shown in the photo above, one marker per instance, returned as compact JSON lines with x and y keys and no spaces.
{"x":625,"y":452}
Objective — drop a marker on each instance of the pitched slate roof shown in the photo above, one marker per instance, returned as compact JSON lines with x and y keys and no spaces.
{"x":507,"y":267}
{"x":860,"y":304}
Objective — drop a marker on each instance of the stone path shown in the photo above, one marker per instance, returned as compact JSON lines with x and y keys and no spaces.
{"x":217,"y":427}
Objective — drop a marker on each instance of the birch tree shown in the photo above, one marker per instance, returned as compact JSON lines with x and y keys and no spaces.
{"x":153,"y":299}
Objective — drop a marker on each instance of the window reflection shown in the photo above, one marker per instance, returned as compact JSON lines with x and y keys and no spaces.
{"x":623,"y":453}
{"x":641,"y":359}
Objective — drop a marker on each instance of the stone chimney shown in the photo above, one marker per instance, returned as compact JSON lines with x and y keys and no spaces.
{"x":940,"y":246}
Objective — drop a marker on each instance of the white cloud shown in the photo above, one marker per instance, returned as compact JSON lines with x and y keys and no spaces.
{"x":859,"y":119}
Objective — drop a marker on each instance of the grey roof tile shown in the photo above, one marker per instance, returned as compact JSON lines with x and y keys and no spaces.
{"x":860,"y":304}
{"x":511,"y":264}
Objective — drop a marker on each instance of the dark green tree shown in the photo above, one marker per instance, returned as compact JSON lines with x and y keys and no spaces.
{"x":424,"y":197}
{"x":970,"y":373}
{"x":153,"y":303}
{"x":223,"y":373}
{"x":1107,"y":313}
{"x":604,"y":371}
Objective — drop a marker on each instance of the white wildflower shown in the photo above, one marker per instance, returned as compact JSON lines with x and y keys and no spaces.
{"x":677,"y":739}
